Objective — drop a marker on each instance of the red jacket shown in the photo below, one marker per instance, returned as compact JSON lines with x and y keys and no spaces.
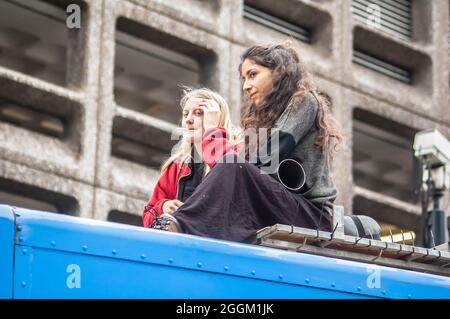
{"x":215,"y":144}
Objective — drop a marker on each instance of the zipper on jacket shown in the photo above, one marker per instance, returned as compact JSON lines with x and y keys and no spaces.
{"x":179,"y":180}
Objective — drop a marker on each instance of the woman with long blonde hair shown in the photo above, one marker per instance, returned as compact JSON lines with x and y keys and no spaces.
{"x":207,"y":130}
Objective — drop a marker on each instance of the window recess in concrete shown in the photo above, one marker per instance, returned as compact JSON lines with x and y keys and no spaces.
{"x":276,"y":23}
{"x":382,"y":67}
{"x":39,"y":111}
{"x":35,"y":40}
{"x":139,"y":143}
{"x":390,"y":16}
{"x":383,"y":157}
{"x":27,"y":196}
{"x":294,"y":18}
{"x":150,"y":67}
{"x":387,"y":57}
{"x":23,"y":116}
{"x":117,"y":216}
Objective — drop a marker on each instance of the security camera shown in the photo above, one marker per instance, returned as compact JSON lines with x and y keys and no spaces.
{"x":432,"y":146}
{"x":433,"y":150}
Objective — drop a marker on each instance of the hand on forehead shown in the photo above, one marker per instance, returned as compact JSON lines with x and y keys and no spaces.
{"x":195,"y":102}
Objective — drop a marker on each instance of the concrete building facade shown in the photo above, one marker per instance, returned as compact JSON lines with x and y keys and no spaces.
{"x":88,"y":101}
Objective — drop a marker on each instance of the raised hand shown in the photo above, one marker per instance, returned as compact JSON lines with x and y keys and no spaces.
{"x":211,"y":115}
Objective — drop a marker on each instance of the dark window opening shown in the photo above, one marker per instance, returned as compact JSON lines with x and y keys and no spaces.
{"x":31,"y":197}
{"x":151,"y":66}
{"x":23,"y":116}
{"x":40,"y":111}
{"x":381,"y":66}
{"x":145,"y":145}
{"x":276,"y":23}
{"x":35,"y":40}
{"x":117,"y":216}
{"x":387,"y":57}
{"x":383,"y":157}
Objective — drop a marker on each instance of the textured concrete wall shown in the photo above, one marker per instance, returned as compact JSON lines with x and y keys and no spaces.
{"x":80,"y":166}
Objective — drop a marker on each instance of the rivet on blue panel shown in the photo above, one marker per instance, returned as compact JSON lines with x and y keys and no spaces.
{"x":199,"y":265}
{"x":24,"y":251}
{"x":84,"y":247}
{"x":307,"y":280}
{"x":23,"y":284}
{"x":114,"y":252}
{"x":171,"y":260}
{"x":225,"y":268}
{"x":253,"y":272}
{"x":53,"y":243}
{"x":143,"y":256}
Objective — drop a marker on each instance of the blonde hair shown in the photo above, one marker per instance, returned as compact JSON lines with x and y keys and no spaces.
{"x":185,"y":149}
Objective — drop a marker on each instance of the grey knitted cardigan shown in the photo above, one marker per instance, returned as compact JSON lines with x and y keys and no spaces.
{"x":297,"y":132}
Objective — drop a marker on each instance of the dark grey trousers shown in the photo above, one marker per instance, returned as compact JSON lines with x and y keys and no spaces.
{"x":235,"y":200}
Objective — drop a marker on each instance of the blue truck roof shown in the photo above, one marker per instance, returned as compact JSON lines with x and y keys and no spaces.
{"x":46,"y":255}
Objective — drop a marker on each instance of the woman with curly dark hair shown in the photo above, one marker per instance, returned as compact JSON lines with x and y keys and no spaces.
{"x":240,"y":194}
{"x":284,"y":99}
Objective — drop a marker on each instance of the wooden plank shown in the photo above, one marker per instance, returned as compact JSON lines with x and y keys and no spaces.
{"x":338,"y":245}
{"x":354,"y":256}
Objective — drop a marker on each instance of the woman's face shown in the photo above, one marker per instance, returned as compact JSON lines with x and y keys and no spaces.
{"x":257,"y":79}
{"x":193,"y":119}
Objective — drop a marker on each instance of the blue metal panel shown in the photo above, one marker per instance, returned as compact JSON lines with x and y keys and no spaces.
{"x":6,"y":251}
{"x":71,"y":257}
{"x":102,"y":277}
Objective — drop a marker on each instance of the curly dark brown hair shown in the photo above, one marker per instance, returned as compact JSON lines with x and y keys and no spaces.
{"x":290,"y":81}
